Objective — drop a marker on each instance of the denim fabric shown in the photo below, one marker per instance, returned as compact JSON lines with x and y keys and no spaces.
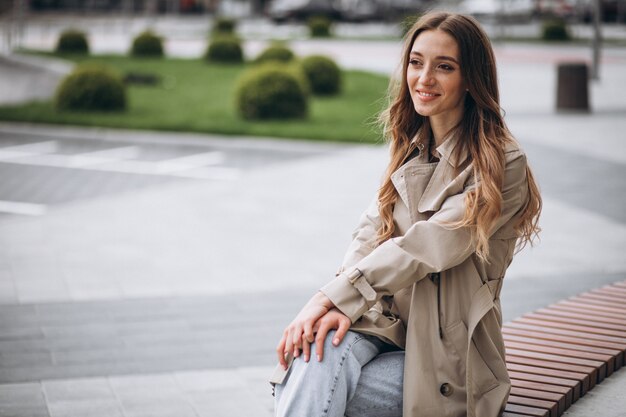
{"x":359,"y":378}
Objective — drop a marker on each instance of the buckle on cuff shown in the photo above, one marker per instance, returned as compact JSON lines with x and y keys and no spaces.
{"x":359,"y":282}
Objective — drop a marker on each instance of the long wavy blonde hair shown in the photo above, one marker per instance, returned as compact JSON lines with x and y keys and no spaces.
{"x":482,"y":128}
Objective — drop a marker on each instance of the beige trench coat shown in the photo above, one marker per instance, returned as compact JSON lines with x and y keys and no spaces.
{"x":426,"y":291}
{"x":429,"y":282}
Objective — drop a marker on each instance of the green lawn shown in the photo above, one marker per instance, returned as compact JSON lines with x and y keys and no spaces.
{"x":197,"y":97}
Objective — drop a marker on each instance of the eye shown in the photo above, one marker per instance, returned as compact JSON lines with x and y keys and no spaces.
{"x":446,"y":67}
{"x":415,"y":62}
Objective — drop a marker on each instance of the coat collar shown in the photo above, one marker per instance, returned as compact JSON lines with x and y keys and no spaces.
{"x":443,"y":182}
{"x":446,"y":150}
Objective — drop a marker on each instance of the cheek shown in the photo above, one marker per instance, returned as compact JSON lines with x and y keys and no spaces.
{"x":411,"y":77}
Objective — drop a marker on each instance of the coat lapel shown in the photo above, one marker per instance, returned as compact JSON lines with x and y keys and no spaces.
{"x":443,"y":182}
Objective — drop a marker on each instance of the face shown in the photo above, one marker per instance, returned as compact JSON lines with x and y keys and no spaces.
{"x":434,"y":77}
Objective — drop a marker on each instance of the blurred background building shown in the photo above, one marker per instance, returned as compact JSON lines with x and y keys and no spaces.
{"x":280,"y":10}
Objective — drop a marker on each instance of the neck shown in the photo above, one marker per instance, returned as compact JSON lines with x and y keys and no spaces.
{"x":441,"y":125}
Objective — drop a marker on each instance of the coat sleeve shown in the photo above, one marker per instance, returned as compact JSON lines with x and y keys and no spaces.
{"x":428,"y":246}
{"x":363,"y":237}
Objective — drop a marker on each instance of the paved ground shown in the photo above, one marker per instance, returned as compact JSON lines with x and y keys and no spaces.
{"x":150,"y":274}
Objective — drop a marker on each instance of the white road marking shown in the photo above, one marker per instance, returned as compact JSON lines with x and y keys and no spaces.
{"x":121,"y":160}
{"x":210,"y":173}
{"x":190,"y":161}
{"x":21,"y":151}
{"x":103,"y":156}
{"x":50,"y":146}
{"x":28,"y":209}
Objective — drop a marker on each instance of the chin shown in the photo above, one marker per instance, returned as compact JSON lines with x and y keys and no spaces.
{"x":422,"y":112}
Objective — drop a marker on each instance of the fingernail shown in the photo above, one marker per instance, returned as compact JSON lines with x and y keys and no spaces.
{"x":335,"y":342}
{"x":285,"y":367}
{"x":319,"y":358}
{"x":306,"y":358}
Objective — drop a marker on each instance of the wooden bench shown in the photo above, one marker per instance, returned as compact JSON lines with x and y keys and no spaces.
{"x":556,"y":354}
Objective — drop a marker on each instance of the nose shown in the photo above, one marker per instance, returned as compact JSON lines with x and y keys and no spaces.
{"x":426,"y":76}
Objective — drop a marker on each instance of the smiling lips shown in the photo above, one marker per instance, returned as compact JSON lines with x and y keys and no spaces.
{"x":427,"y":96}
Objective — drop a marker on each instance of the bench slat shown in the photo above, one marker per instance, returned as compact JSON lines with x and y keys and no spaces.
{"x":551,"y":336}
{"x":615,"y":355}
{"x":606,"y":360}
{"x":541,"y":395}
{"x":573,"y":346}
{"x":539,"y":370}
{"x":611,"y":292}
{"x":599,"y":302}
{"x":604,"y":298}
{"x":592,"y":304}
{"x":598,"y":373}
{"x":566,"y":392}
{"x":586,"y":316}
{"x":577,"y":321}
{"x":601,"y":334}
{"x":569,"y":383}
{"x":592,"y":311}
{"x":527,"y":411}
{"x":551,"y":406}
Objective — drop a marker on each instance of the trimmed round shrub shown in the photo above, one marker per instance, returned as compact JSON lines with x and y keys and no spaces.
{"x":147,"y":44}
{"x":72,"y":42}
{"x":271,"y":92}
{"x":555,"y":30}
{"x":319,"y":27}
{"x":224,"y":25}
{"x":276,"y":52}
{"x":323,"y":74}
{"x":91,"y":88}
{"x":224,"y":49}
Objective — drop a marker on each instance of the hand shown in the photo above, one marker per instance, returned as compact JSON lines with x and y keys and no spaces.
{"x":301,"y":328}
{"x":332,"y":320}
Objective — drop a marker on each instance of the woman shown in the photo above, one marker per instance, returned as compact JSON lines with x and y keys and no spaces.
{"x":419,"y":286}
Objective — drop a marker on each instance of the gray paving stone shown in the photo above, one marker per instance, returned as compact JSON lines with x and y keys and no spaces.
{"x":145,"y":387}
{"x":21,"y":394}
{"x":8,"y":292}
{"x":23,"y":410}
{"x":13,"y":333}
{"x":583,"y":173}
{"x":159,"y":407}
{"x":226,"y":403}
{"x":86,"y":408}
{"x":200,"y":381}
{"x":81,"y":389}
{"x":20,"y":359}
{"x":32,"y":345}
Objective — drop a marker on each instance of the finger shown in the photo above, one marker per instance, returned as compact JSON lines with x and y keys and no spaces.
{"x":280,"y":351}
{"x":296,"y":337}
{"x":292,"y":346}
{"x":306,"y":348}
{"x":316,"y":327}
{"x":319,"y":340}
{"x":288,"y":345}
{"x":308,"y":332}
{"x":344,"y":326}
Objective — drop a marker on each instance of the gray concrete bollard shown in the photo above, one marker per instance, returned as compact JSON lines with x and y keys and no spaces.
{"x":573,"y":86}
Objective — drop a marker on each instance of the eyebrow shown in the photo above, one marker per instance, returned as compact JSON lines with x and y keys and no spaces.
{"x":440,"y":57}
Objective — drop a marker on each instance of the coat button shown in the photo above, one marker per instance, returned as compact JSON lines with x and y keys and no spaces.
{"x":445,"y":389}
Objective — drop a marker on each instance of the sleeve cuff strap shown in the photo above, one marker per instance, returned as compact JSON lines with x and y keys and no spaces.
{"x":359,"y":282}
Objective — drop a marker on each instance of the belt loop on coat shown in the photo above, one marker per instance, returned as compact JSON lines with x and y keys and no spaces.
{"x":435,"y":277}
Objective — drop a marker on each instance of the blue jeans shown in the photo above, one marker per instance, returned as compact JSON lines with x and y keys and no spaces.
{"x":362,"y":377}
